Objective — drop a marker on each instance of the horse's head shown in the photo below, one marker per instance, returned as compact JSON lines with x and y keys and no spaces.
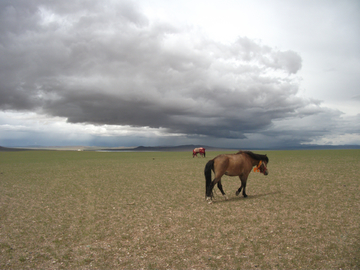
{"x":262,"y":167}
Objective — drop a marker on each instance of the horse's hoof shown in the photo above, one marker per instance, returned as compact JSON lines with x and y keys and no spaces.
{"x":245,"y":195}
{"x":237,"y":193}
{"x":209,"y":200}
{"x":226,"y":198}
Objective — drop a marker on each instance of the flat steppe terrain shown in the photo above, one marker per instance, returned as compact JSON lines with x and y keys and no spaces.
{"x":124,"y":210}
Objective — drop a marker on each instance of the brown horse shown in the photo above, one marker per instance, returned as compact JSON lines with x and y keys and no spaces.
{"x":239,"y":164}
{"x":200,"y":150}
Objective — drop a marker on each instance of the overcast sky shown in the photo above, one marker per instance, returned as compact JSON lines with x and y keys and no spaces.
{"x":230,"y":73}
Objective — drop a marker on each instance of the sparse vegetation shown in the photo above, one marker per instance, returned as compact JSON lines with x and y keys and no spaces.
{"x":81,"y":210}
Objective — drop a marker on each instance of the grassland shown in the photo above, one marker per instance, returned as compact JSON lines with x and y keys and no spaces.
{"x":92,"y":210}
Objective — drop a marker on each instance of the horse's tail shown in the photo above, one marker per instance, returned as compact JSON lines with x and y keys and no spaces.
{"x":207,"y":172}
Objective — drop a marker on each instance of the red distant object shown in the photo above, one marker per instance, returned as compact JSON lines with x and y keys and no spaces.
{"x":200,"y":150}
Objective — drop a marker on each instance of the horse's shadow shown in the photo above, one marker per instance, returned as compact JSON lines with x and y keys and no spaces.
{"x":249,"y":197}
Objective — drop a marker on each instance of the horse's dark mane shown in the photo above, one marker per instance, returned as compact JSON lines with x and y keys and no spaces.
{"x":255,"y":156}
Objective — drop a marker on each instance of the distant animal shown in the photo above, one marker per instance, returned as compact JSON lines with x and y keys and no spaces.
{"x":239,"y":164}
{"x":200,"y":150}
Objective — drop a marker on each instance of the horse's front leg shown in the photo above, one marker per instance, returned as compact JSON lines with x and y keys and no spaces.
{"x":243,"y":184}
{"x":238,"y":191}
{"x":242,"y":187}
{"x":221,"y":189}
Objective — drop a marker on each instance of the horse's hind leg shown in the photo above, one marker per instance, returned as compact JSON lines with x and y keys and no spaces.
{"x":222,"y":191}
{"x":219,"y":169}
{"x":209,"y":191}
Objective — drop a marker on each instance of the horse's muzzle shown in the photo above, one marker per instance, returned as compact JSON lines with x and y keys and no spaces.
{"x":266,"y":172}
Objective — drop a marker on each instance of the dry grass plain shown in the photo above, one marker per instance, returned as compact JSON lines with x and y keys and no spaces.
{"x":94,"y":210}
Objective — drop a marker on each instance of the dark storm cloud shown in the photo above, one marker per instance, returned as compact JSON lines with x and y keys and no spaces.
{"x":106,"y":63}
